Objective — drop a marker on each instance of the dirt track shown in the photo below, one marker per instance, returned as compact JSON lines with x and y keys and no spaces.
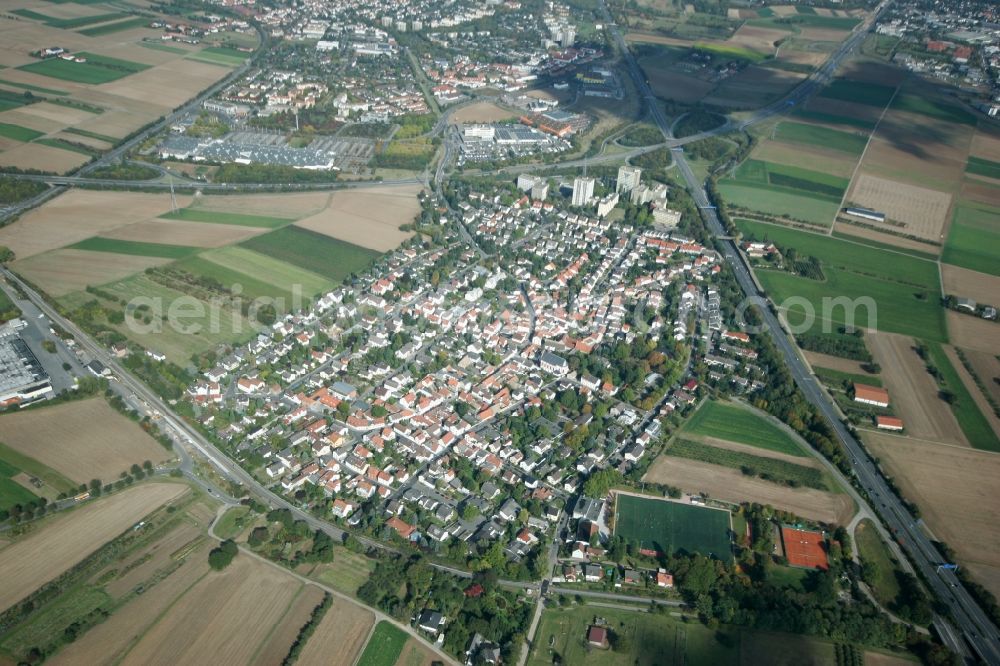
{"x":733,"y":486}
{"x":912,"y":391}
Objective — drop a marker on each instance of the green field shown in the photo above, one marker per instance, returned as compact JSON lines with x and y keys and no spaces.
{"x":730,"y":51}
{"x":258,"y":274}
{"x":110,"y":28}
{"x":11,"y":492}
{"x":229,"y":526}
{"x":669,"y":527}
{"x":54,"y":618}
{"x":19,"y":133}
{"x":348,"y":572}
{"x":63,"y":144}
{"x":736,"y":424}
{"x":384,"y":646}
{"x":220,"y":217}
{"x":932,"y":108}
{"x":93,"y":135}
{"x":875,"y":555}
{"x":28,"y":86}
{"x":837,"y":379}
{"x":780,"y":202}
{"x":313,"y":252}
{"x":974,"y":238}
{"x":975,"y":426}
{"x":982,"y":167}
{"x":69,"y":23}
{"x":794,"y":179}
{"x":652,"y":639}
{"x":138,"y":248}
{"x":11,"y":100}
{"x":97,"y":69}
{"x":220,"y":56}
{"x":904,"y":288}
{"x":859,"y":92}
{"x":769,"y":469}
{"x":822,"y":137}
{"x":827,"y":22}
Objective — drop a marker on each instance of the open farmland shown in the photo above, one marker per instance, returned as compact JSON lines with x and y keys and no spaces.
{"x":974,"y":238}
{"x":274,"y":649}
{"x":967,"y":332}
{"x":778,"y":203}
{"x":83,"y":439}
{"x":367,"y":217}
{"x":77,"y":215}
{"x":904,"y":288}
{"x":238,"y":265}
{"x":41,"y":556}
{"x":667,"y":527}
{"x":739,"y":424}
{"x":214,"y":217}
{"x":785,"y":191}
{"x":182,"y":233}
{"x":980,"y":287}
{"x":92,"y":71}
{"x":859,"y":92}
{"x":384,"y":647}
{"x":946,"y":482}
{"x":313,"y":251}
{"x":60,"y":272}
{"x":135,"y":248}
{"x":278,"y":206}
{"x":851,"y":143}
{"x":340,"y":635}
{"x":923,"y":212}
{"x":754,"y":87}
{"x":977,"y":428}
{"x":737,"y":456}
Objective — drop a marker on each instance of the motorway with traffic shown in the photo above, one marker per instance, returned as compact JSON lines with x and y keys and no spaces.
{"x":967,"y":620}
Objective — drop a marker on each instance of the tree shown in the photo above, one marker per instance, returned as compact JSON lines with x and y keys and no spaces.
{"x":222,"y":556}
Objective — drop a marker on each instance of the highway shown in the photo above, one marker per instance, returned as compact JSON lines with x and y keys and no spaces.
{"x":972,"y":623}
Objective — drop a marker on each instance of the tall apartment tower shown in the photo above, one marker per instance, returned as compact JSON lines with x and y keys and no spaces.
{"x":628,"y":179}
{"x":583,"y":190}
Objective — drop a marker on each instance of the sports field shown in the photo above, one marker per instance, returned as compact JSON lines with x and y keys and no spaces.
{"x":668,"y":527}
{"x":735,"y":424}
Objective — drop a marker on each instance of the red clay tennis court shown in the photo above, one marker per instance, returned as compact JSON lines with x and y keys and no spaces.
{"x":804,"y":549}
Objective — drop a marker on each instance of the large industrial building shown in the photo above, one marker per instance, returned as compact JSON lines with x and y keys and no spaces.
{"x":22,"y":379}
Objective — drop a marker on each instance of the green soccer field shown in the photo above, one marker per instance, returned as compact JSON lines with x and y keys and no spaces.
{"x":669,"y":527}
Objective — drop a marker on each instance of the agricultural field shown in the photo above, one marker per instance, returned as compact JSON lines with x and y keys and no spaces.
{"x":737,"y":424}
{"x":859,"y":92}
{"x":12,"y":488}
{"x":259,"y":274}
{"x":61,"y":272}
{"x":225,"y":57}
{"x":668,"y":527}
{"x":170,"y":231}
{"x":416,"y":654}
{"x":133,"y":247}
{"x":977,"y":428}
{"x":30,"y":476}
{"x":367,"y":217}
{"x":851,"y":143}
{"x":313,"y":251}
{"x":785,"y":191}
{"x":220,"y":217}
{"x":974,"y":238}
{"x":967,"y":332}
{"x":918,"y":211}
{"x":82,"y":439}
{"x":340,"y":635}
{"x":768,"y":468}
{"x":904,"y":288}
{"x":66,"y":538}
{"x":948,"y":481}
{"x":96,"y":69}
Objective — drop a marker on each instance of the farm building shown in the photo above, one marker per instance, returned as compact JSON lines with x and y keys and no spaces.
{"x":888,"y":423}
{"x":866,"y":213}
{"x":871,"y":395}
{"x":597,"y":636}
{"x":804,"y":548}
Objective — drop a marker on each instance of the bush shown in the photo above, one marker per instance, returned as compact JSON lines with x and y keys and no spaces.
{"x":222,"y":556}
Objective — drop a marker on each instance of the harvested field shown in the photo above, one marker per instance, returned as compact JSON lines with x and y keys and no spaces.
{"x":84,"y":439}
{"x":913,"y":392}
{"x":977,"y":396}
{"x":757,"y":39}
{"x":156,"y":556}
{"x":180,"y":232}
{"x":25,"y":117}
{"x":980,"y":287}
{"x":276,"y":205}
{"x":834,"y":363}
{"x":368,"y":217}
{"x":340,"y":636}
{"x":59,"y":272}
{"x":866,"y":233}
{"x":30,"y":562}
{"x":784,"y":10}
{"x":170,"y":84}
{"x":986,"y":144}
{"x":947,"y":482}
{"x":80,"y":214}
{"x":924,"y":212}
{"x":42,"y":157}
{"x":919,"y":149}
{"x":91,"y":142}
{"x":972,"y":333}
{"x":482,"y":112}
{"x":834,"y":162}
{"x":731,"y":485}
{"x":221,"y":620}
{"x":275,"y":649}
{"x":987,"y":368}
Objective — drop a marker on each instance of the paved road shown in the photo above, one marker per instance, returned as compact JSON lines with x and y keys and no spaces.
{"x":972,"y":623}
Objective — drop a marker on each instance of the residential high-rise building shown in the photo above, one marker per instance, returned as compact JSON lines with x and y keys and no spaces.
{"x":628,"y":178}
{"x":583,"y":190}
